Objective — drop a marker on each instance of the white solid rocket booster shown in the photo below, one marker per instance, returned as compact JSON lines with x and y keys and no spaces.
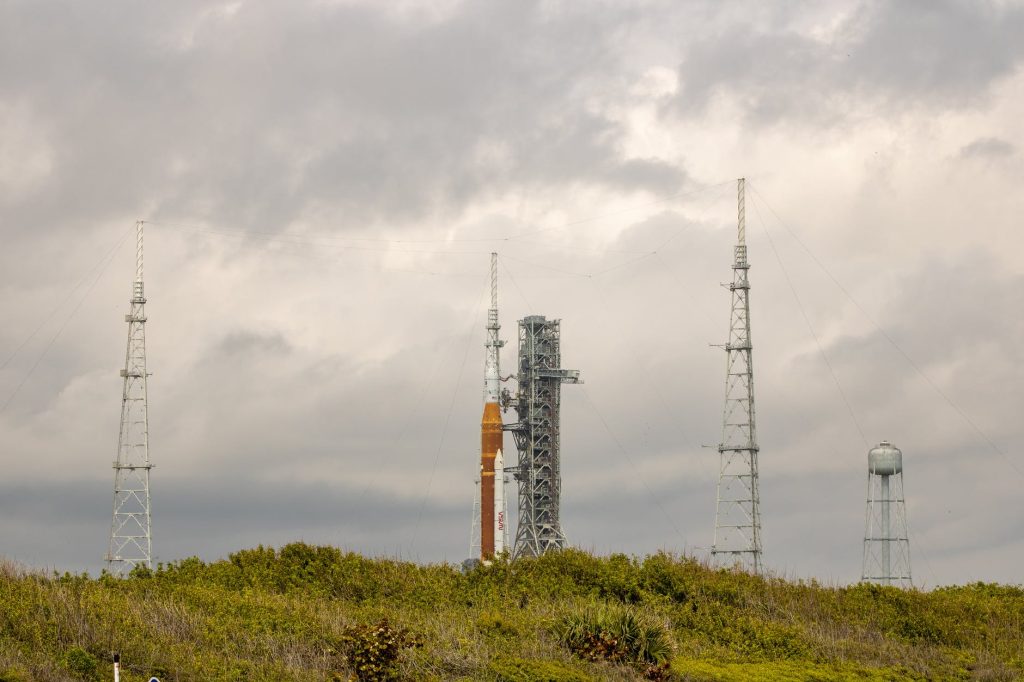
{"x":499,"y":504}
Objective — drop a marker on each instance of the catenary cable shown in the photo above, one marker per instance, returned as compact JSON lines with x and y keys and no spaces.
{"x":810,"y":328}
{"x":63,"y":326}
{"x":949,"y":401}
{"x":451,"y":409}
{"x":67,"y":298}
{"x":916,"y":540}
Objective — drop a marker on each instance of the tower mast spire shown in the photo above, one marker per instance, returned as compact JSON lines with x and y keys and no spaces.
{"x":130,"y":529}
{"x":737,"y":514}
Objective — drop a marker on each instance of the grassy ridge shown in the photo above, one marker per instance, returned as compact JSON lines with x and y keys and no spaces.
{"x":315,"y":613}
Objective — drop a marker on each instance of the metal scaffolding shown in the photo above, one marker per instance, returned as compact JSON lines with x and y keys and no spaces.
{"x":737,"y":513}
{"x":130,"y":537}
{"x":537,"y":404}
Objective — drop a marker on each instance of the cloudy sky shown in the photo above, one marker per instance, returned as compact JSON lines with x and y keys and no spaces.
{"x":323,"y":182}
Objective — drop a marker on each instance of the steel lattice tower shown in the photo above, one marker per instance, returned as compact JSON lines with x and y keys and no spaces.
{"x":886,"y":541}
{"x":737,"y":514}
{"x":130,"y":537}
{"x":537,"y":438}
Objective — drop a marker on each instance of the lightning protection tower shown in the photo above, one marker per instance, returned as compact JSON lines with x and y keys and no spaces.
{"x":130,"y":537}
{"x":737,"y":515}
{"x":537,"y":436}
{"x":886,"y":541}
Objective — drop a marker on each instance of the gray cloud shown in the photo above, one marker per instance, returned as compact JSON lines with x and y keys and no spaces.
{"x":987,"y":148}
{"x":269,"y":114}
{"x":250,"y":342}
{"x":901,"y":56}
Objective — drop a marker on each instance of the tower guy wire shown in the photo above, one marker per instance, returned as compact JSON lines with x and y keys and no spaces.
{"x":632,"y":464}
{"x":814,"y":335}
{"x":100,"y":269}
{"x":899,"y":349}
{"x":101,"y":266}
{"x":448,"y":416}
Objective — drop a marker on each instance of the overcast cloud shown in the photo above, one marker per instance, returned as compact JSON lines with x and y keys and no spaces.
{"x":324,"y":181}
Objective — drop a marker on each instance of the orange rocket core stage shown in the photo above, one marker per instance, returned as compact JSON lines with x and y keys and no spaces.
{"x":491,"y":439}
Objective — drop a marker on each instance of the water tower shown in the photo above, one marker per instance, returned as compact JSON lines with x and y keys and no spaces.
{"x":886,"y":541}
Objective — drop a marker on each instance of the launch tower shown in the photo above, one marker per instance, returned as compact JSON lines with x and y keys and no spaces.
{"x":886,"y":541}
{"x":737,"y":514}
{"x":538,"y":403}
{"x":130,"y":537}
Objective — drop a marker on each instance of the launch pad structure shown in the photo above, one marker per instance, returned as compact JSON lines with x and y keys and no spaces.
{"x":537,"y":435}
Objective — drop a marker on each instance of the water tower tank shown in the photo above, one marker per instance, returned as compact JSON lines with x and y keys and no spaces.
{"x":885,"y":459}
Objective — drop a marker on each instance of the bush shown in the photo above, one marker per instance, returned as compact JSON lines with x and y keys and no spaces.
{"x":12,"y":675}
{"x":373,"y":650}
{"x":753,"y":638}
{"x":616,"y":635}
{"x":495,"y":624}
{"x":82,"y":663}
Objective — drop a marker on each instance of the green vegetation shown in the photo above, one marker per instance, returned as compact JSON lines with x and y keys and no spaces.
{"x":315,"y":613}
{"x":618,"y":635}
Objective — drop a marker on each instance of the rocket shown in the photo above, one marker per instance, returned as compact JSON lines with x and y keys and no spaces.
{"x":491,"y":435}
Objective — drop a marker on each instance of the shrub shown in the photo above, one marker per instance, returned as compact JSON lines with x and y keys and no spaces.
{"x":373,"y":650}
{"x":496,"y":624}
{"x":752,"y":638}
{"x":616,"y":635}
{"x":665,"y":576}
{"x":82,"y":663}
